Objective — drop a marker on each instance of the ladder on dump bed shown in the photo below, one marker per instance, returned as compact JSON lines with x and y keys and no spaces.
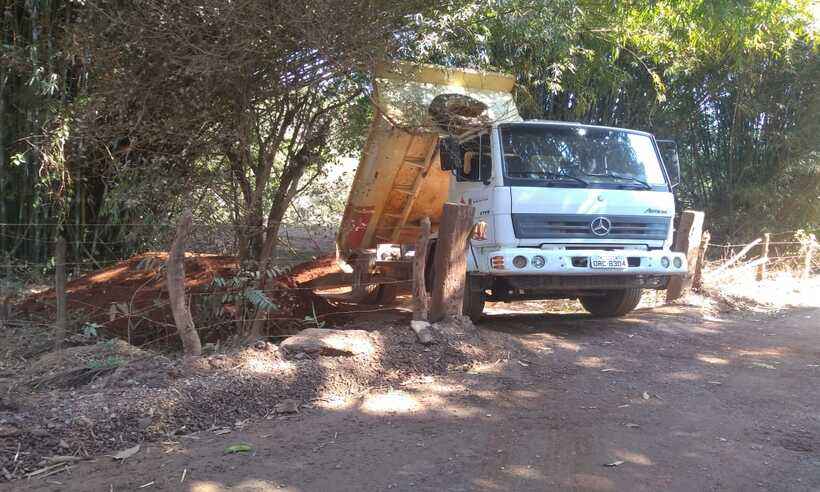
{"x":403,"y":191}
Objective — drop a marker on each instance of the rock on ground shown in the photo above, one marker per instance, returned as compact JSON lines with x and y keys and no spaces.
{"x":424,"y":331}
{"x":322,"y":341}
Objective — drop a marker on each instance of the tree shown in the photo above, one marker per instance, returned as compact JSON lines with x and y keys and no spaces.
{"x":249,"y":92}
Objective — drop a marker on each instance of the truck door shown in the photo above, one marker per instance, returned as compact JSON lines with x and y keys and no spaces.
{"x":473,"y":186}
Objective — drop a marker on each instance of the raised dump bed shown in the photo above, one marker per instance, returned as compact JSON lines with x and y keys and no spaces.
{"x":399,"y":180}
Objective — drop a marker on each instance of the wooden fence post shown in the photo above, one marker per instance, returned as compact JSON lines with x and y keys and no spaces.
{"x":761,"y":269}
{"x":809,"y":256}
{"x":420,"y":298}
{"x":687,"y":240}
{"x":451,"y":261}
{"x":175,"y":279}
{"x":59,"y":289}
{"x":697,"y":278}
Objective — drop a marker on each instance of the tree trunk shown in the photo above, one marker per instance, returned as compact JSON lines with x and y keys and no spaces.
{"x":687,"y":240}
{"x":451,"y":261}
{"x":59,"y":292}
{"x":421,"y":301}
{"x":175,"y":266}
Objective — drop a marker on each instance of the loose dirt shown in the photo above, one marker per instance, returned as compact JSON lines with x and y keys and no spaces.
{"x":129,"y":299}
{"x":665,"y":399}
{"x":92,"y":399}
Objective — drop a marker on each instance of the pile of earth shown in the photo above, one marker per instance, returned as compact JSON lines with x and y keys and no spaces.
{"x":129,"y":299}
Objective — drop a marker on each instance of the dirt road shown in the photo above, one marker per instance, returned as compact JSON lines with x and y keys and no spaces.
{"x":668,"y":399}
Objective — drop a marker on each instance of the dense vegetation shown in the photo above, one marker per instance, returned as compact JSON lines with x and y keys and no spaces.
{"x":119,"y":112}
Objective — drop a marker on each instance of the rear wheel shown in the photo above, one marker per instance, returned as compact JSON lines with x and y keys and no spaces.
{"x":612,"y":304}
{"x":378,"y":294}
{"x":365,"y":292}
{"x":386,"y":293}
{"x":473,"y":306}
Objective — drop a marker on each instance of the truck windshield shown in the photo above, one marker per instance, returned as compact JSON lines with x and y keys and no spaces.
{"x":579,"y":157}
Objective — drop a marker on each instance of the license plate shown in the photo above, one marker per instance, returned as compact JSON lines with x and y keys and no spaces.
{"x":608,"y":262}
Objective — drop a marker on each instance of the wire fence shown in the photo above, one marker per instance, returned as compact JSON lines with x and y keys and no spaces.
{"x":225,"y":296}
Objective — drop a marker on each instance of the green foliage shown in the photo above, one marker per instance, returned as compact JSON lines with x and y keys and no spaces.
{"x":90,"y":329}
{"x":109,"y":362}
{"x":259,"y":300}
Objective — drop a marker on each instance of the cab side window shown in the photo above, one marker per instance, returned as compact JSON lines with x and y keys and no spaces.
{"x":478,"y":164}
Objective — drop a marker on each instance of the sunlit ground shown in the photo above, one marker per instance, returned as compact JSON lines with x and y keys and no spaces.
{"x":780,"y":290}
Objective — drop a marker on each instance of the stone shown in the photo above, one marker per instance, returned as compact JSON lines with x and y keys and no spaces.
{"x":455,"y":327}
{"x":424,"y":331}
{"x":8,"y":430}
{"x":322,"y":341}
{"x":287,"y":406}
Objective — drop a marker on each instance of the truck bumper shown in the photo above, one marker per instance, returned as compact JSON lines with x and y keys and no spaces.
{"x":503,"y":263}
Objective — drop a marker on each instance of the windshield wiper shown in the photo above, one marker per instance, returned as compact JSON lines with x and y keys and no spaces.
{"x":553,"y":176}
{"x":640,"y":182}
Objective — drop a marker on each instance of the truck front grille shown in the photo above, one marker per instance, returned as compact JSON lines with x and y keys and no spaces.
{"x":560,"y":226}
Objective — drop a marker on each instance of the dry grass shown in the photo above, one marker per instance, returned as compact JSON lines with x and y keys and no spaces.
{"x":739,"y":289}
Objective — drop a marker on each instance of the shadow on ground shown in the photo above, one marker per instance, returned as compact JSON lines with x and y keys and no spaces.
{"x":665,"y":399}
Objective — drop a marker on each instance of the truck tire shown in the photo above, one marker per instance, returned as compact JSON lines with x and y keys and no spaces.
{"x":614,"y":304}
{"x":473,"y":306}
{"x":380,"y":294}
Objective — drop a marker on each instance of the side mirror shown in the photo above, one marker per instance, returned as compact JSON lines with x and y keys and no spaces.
{"x":450,"y":154}
{"x":669,"y":155}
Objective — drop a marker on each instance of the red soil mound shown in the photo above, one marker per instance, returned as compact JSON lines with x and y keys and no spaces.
{"x":130,"y":298}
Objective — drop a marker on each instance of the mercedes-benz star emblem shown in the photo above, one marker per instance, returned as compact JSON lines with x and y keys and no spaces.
{"x":600,"y":226}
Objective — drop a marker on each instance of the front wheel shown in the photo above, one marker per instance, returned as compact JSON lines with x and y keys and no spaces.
{"x":612,"y":304}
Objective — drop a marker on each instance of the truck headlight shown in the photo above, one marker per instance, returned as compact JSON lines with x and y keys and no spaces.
{"x":665,"y":262}
{"x":520,"y":261}
{"x":538,"y":261}
{"x":677,"y":262}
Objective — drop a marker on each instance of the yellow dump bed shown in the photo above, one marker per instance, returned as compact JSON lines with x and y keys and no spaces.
{"x":399,"y":180}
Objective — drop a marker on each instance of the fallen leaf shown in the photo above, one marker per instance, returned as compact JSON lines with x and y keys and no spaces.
{"x":126,"y":453}
{"x":614,"y":463}
{"x":241,"y":447}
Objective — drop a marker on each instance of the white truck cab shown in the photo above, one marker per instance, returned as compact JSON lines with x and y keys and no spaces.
{"x":565,"y":210}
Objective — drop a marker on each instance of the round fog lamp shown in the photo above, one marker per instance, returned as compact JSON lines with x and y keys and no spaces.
{"x":677,"y":262}
{"x":538,"y":261}
{"x":665,"y":262}
{"x":520,"y":261}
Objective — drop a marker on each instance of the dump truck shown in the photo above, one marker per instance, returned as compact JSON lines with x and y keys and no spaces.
{"x":562,"y":210}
